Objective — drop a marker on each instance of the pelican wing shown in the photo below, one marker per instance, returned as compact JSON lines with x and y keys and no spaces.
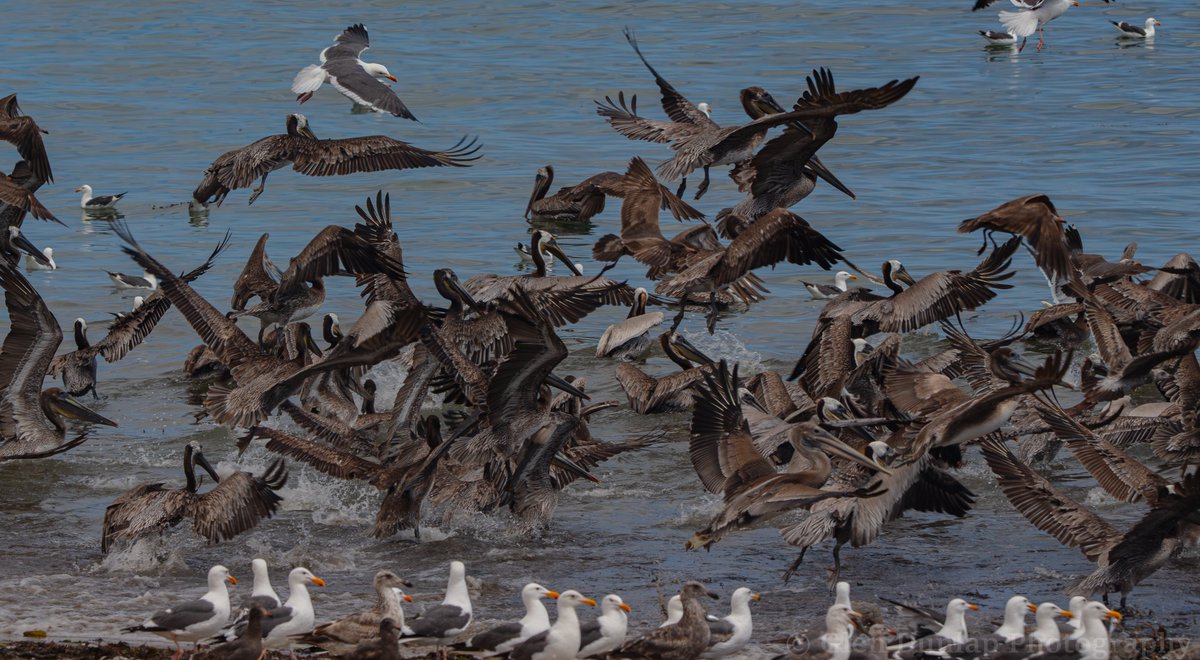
{"x":242,"y":167}
{"x":33,"y":338}
{"x":619,"y":333}
{"x":721,"y":447}
{"x":625,"y":119}
{"x":517,"y":382}
{"x":256,"y":278}
{"x":13,"y":194}
{"x":26,"y":136}
{"x":942,"y":294}
{"x":333,"y":251}
{"x":1111,"y":346}
{"x":141,"y":510}
{"x":1047,"y":508}
{"x":677,"y":107}
{"x":335,"y":462}
{"x":639,"y":216}
{"x":238,"y":503}
{"x":375,"y":153}
{"x":1034,"y":218}
{"x":1123,"y":476}
{"x":777,"y":236}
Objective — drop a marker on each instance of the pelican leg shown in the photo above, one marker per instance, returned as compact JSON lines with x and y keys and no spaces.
{"x":1122,"y":607}
{"x":259,"y":190}
{"x":791,"y":570}
{"x":703,"y":185}
{"x":683,"y":302}
{"x":710,"y":319}
{"x":682,"y":187}
{"x":835,"y":572}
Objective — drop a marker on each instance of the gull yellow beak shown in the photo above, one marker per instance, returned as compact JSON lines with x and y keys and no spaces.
{"x":1067,"y":614}
{"x":755,"y":597}
{"x":231,"y":579}
{"x":407,"y":598}
{"x":857,"y":614}
{"x":1032,"y":607}
{"x":589,"y":601}
{"x":1114,"y":615}
{"x":854,"y":277}
{"x":625,"y":607}
{"x":973,"y":607}
{"x":552,"y":594}
{"x":79,"y":190}
{"x":318,"y":581}
{"x":1158,"y":22}
{"x":392,"y":78}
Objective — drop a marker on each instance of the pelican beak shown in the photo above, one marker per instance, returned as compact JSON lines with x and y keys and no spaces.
{"x":767,"y":104}
{"x":1066,"y":614}
{"x":465,"y":295}
{"x":231,"y":579}
{"x":307,"y":132}
{"x":552,"y":594}
{"x":829,"y":443}
{"x":407,"y":598}
{"x":66,"y":405}
{"x":559,"y":383}
{"x":1114,"y":615}
{"x":318,"y":581}
{"x":818,"y":168}
{"x":1022,"y":367}
{"x":199,"y":459}
{"x":625,"y":608}
{"x":973,"y":607}
{"x":24,"y":243}
{"x":539,"y":190}
{"x":689,"y":351}
{"x":574,"y":468}
{"x":1032,"y":608}
{"x":553,"y":248}
{"x":588,"y":601}
{"x":903,"y":275}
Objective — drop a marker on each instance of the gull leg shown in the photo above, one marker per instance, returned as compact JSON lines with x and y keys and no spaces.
{"x":1022,"y":46}
{"x":178,"y":651}
{"x":703,"y":184}
{"x":1041,"y":40}
{"x":259,"y":190}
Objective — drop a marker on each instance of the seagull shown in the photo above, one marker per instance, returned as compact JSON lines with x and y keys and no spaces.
{"x":33,"y":263}
{"x":1031,"y":16}
{"x":1130,"y":31}
{"x":448,"y":620}
{"x":123,"y":281}
{"x":995,"y":38}
{"x":821,"y":291}
{"x":195,"y":619}
{"x":262,"y":594}
{"x":607,"y":632}
{"x":562,"y":640}
{"x":732,"y":633}
{"x":507,"y":636}
{"x":99,"y":202}
{"x":357,"y":80}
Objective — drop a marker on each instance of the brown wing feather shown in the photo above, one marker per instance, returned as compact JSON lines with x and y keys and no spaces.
{"x":374,"y":153}
{"x":26,"y":136}
{"x":721,"y":447}
{"x":1123,"y":476}
{"x":238,"y":503}
{"x":777,"y":236}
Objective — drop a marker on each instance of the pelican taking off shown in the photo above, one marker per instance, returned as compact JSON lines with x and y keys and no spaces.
{"x":357,"y":80}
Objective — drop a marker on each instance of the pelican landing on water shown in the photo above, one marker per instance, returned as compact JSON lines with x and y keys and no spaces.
{"x":299,"y":147}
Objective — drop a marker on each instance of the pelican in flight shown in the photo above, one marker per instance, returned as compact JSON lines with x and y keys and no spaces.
{"x":33,"y":421}
{"x":357,"y":80}
{"x":300,"y":147}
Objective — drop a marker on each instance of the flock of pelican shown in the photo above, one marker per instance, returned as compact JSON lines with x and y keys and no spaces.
{"x":855,"y":435}
{"x":264,"y":623}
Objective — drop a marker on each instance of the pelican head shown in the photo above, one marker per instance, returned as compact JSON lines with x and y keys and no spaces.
{"x":1006,"y":364}
{"x":541,"y":185}
{"x":297,"y":124}
{"x":58,"y":404}
{"x":818,"y":169}
{"x":138,"y":301}
{"x":378,"y":71}
{"x":681,"y":351}
{"x":23,"y":244}
{"x":818,"y":438}
{"x":894,"y":271}
{"x":880,"y":452}
{"x":448,"y":286}
{"x":199,"y":459}
{"x":758,"y":102}
{"x":544,"y":240}
{"x":704,"y":107}
{"x":640,"y":296}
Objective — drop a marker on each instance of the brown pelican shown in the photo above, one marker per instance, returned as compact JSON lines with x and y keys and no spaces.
{"x":98,"y":202}
{"x":629,"y":339}
{"x":580,"y":202}
{"x":648,"y":395}
{"x":26,"y":135}
{"x":486,"y":288}
{"x":778,"y":236}
{"x":341,"y":636}
{"x":686,"y":638}
{"x":259,"y":277}
{"x":1034,"y":218}
{"x":786,"y":169}
{"x":236,"y":505}
{"x":300,"y":148}
{"x":1123,"y":558}
{"x":33,"y":421}
{"x":357,"y":80}
{"x":725,"y":457}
